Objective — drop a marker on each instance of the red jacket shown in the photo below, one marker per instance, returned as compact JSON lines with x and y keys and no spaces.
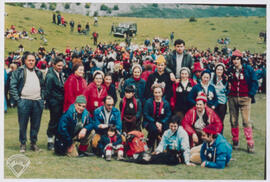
{"x":92,"y":95}
{"x":146,"y":74}
{"x":190,"y":118}
{"x":73,"y":87}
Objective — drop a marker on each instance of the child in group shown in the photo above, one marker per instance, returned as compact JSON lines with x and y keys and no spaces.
{"x":110,"y":144}
{"x":131,"y":110}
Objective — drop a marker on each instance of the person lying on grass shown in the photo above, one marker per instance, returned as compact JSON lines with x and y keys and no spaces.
{"x":216,"y":152}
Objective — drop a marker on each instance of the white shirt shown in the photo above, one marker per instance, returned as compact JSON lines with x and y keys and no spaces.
{"x":179,"y":59}
{"x":107,"y":116}
{"x":31,"y":88}
{"x":199,"y":124}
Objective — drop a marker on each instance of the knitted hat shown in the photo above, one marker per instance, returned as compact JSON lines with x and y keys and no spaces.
{"x":80,"y":99}
{"x":237,"y":53}
{"x":202,"y":97}
{"x":206,"y":72}
{"x":185,"y":68}
{"x":210,"y":129}
{"x":160,"y":59}
{"x":197,"y":67}
{"x":136,"y":66}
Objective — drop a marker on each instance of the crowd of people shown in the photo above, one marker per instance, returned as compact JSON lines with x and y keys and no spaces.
{"x":178,"y":96}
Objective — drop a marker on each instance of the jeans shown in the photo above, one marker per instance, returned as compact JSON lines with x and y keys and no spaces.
{"x":29,"y":109}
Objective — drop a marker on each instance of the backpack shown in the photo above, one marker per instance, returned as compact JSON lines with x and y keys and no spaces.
{"x":135,"y":143}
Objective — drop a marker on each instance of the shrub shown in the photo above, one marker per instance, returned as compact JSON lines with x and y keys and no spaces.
{"x":31,"y":5}
{"x":67,"y":6}
{"x":87,"y":5}
{"x":27,"y":18}
{"x":109,"y":11}
{"x":43,"y":6}
{"x":155,"y":5}
{"x":78,"y":4}
{"x":192,"y":19}
{"x":213,"y":28}
{"x":52,"y":6}
{"x":225,"y":31}
{"x":115,"y":7}
{"x":103,"y":7}
{"x":96,"y":13}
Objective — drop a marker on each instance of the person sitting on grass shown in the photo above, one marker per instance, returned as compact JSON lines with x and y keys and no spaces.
{"x":110,"y":144}
{"x":74,"y":125}
{"x":131,"y":110}
{"x":216,"y":152}
{"x":174,"y":146}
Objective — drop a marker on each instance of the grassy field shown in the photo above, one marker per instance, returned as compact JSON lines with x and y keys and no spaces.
{"x":243,"y":31}
{"x":46,"y":164}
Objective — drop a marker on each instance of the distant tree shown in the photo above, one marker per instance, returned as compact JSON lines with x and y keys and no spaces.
{"x":87,"y":5}
{"x":109,"y":11}
{"x":43,"y":6}
{"x":52,"y":6}
{"x":19,"y":4}
{"x":115,"y":7}
{"x":67,"y":6}
{"x":155,"y":5}
{"x":96,"y":13}
{"x":103,"y":7}
{"x":78,"y":4}
{"x":192,"y":19}
{"x":31,"y":5}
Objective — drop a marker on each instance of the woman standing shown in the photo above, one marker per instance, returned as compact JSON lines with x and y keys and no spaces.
{"x":220,"y":83}
{"x":179,"y":103}
{"x":110,"y":86}
{"x":74,"y":85}
{"x":95,"y":92}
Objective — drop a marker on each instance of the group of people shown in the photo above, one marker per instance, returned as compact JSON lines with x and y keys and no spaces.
{"x":179,"y":97}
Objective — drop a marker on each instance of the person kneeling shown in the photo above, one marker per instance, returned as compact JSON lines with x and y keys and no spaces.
{"x":173,"y":147}
{"x":110,"y":144}
{"x":74,"y":125}
{"x":216,"y":152}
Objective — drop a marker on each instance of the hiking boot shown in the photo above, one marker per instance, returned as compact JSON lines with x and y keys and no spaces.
{"x":34,"y":147}
{"x":23,"y":148}
{"x":50,"y":146}
{"x":250,"y":149}
{"x":235,"y":145}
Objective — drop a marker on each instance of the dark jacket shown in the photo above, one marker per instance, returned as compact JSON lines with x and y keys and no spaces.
{"x":251,"y":79}
{"x":171,"y":61}
{"x":105,"y":140}
{"x":114,"y":119}
{"x":211,"y":95}
{"x":138,"y":108}
{"x":54,"y":91}
{"x":163,"y":79}
{"x":148,"y":113}
{"x":218,"y":154}
{"x":139,"y":88}
{"x":17,"y":82}
{"x":68,"y":122}
{"x":112,"y":92}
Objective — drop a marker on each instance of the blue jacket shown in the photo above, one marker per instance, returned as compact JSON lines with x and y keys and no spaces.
{"x":105,"y":140}
{"x":251,"y":79}
{"x":178,"y":140}
{"x":218,"y":154}
{"x":68,"y":122}
{"x":114,"y":119}
{"x":148,"y":113}
{"x":139,"y":88}
{"x":212,"y":99}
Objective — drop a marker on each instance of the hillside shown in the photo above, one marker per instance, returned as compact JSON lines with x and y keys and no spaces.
{"x":243,"y":31}
{"x":154,"y":10}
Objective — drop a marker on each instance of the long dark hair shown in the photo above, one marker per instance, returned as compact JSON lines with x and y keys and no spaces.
{"x":224,"y":81}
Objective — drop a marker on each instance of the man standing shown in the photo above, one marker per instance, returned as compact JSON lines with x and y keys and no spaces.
{"x":27,"y":88}
{"x":71,"y":23}
{"x":54,"y":93}
{"x":177,"y":59}
{"x":243,"y":86}
{"x":95,"y":37}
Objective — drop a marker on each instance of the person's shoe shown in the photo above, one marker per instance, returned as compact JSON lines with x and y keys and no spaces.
{"x":108,"y":157}
{"x":50,"y":146}
{"x":23,"y":148}
{"x":34,"y":147}
{"x":85,"y":154}
{"x":235,"y":145}
{"x":250,"y":149}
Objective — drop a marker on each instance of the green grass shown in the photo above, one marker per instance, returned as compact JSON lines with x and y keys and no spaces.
{"x":243,"y":31}
{"x":47,"y":165}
